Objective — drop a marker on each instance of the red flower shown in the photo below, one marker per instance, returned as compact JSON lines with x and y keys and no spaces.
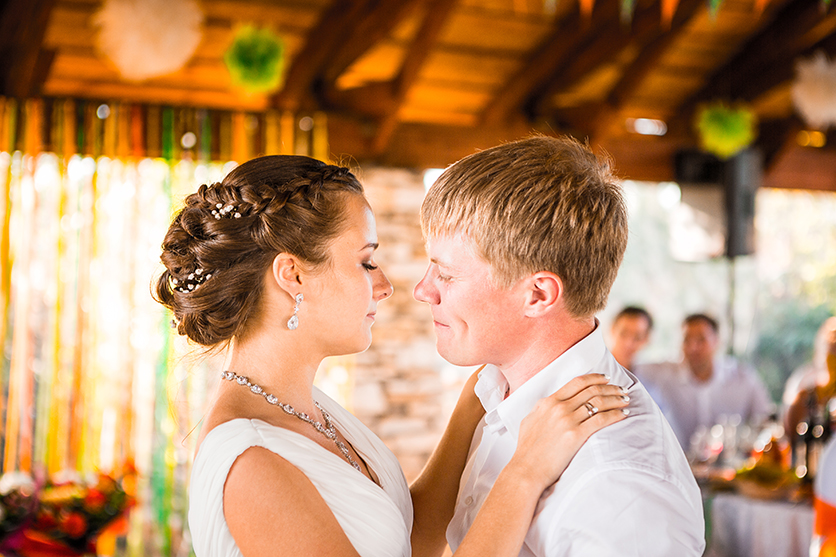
{"x":95,"y":500}
{"x":73,"y":523}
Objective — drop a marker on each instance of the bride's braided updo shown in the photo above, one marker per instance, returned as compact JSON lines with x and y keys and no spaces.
{"x":220,"y":245}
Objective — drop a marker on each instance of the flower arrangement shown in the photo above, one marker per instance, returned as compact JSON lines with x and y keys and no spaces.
{"x":62,"y":515}
{"x":73,"y":511}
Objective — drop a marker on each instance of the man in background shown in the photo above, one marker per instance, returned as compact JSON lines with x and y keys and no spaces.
{"x":706,"y":387}
{"x":629,"y":333}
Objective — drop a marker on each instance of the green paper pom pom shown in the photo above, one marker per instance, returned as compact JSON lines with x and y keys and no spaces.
{"x":724,"y":131}
{"x":255,"y":59}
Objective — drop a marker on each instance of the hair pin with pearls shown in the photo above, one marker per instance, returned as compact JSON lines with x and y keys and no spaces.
{"x":220,"y":211}
{"x":192,"y":282}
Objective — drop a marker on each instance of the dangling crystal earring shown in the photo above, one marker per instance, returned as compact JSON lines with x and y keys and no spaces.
{"x":293,"y":322}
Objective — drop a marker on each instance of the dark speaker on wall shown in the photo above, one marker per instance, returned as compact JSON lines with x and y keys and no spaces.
{"x":742,"y":176}
{"x":696,"y":167}
{"x":721,"y":195}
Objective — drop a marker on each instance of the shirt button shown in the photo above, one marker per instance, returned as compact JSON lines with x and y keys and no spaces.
{"x":468,"y":501}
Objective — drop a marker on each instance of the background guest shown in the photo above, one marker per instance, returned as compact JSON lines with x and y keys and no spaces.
{"x":705,"y":387}
{"x":629,"y":333}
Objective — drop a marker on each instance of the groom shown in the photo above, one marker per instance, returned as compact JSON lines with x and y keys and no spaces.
{"x":525,"y":240}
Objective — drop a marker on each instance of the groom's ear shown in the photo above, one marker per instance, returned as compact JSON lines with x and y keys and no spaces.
{"x":544,"y":294}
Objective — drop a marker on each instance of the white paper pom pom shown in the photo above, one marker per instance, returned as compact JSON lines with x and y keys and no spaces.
{"x":148,"y":38}
{"x":814,"y":91}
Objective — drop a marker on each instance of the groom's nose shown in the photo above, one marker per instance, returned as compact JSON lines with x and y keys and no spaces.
{"x":425,"y":291}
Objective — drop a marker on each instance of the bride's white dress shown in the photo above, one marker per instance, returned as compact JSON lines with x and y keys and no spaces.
{"x":376,"y":519}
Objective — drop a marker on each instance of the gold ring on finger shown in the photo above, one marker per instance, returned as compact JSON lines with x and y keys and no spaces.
{"x":590,"y":408}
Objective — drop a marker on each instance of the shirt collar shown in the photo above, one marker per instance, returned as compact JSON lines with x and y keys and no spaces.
{"x":491,"y":387}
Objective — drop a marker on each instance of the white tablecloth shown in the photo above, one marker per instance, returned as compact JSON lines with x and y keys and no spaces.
{"x":746,"y":527}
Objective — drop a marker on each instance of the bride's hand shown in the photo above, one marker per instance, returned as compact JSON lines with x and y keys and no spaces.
{"x":560,"y":424}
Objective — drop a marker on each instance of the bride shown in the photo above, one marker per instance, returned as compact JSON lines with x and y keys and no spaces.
{"x":279,"y":258}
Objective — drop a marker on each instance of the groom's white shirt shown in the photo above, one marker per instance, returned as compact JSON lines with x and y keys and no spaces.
{"x":628,"y":491}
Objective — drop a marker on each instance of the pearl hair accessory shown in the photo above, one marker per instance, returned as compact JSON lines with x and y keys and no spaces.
{"x":220,"y":211}
{"x":192,"y":282}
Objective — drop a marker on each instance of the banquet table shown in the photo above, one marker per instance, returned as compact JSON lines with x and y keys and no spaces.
{"x":742,"y":526}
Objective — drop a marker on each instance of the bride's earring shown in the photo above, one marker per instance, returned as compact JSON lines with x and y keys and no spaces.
{"x":293,"y":322}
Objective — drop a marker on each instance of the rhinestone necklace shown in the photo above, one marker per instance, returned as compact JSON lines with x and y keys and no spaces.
{"x":328,"y":430}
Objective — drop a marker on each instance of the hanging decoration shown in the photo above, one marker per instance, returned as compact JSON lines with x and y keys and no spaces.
{"x":255,"y":59}
{"x":814,"y":91}
{"x":724,"y":130}
{"x":148,"y":38}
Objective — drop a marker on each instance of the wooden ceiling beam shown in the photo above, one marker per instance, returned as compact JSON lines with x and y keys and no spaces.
{"x":417,"y":145}
{"x":775,"y":137}
{"x":787,"y":35}
{"x":651,"y":53}
{"x":436,"y":15}
{"x":782,"y":71}
{"x":549,"y":58}
{"x":324,"y":39}
{"x":606,"y":43}
{"x":381,"y":17}
{"x":636,"y":72}
{"x":24,"y":64}
{"x":422,"y":146}
{"x":602,"y":40}
{"x":799,"y":29}
{"x":381,"y":101}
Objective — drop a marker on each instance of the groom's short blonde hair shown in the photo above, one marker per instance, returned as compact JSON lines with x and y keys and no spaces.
{"x":537,"y":204}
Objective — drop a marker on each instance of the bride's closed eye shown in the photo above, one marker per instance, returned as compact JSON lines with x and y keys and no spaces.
{"x":370,"y":266}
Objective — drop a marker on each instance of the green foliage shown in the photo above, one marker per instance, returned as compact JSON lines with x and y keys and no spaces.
{"x":255,"y":59}
{"x":786,"y":340}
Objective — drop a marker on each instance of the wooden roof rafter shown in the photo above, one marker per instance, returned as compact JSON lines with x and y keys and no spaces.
{"x":770,"y":55}
{"x":653,"y":41}
{"x":332,"y":30}
{"x":607,"y":42}
{"x":434,"y":19}
{"x":24,"y":64}
{"x":553,"y":53}
{"x":651,"y":53}
{"x":765,"y":62}
{"x":382,"y":16}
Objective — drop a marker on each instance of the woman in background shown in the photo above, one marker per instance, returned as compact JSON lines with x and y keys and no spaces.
{"x":278,"y":261}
